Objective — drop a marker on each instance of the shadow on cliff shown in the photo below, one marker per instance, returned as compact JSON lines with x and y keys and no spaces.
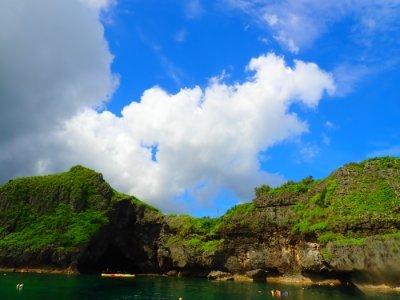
{"x":127,"y":244}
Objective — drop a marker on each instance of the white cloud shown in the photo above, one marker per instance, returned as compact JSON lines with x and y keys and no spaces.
{"x":297,"y":24}
{"x":263,"y":39}
{"x":290,"y":44}
{"x":206,"y":139}
{"x":271,"y":19}
{"x":308,"y":152}
{"x":347,"y":77}
{"x":56,"y":68}
{"x":54,"y":61}
{"x":99,"y":4}
{"x":329,"y":125}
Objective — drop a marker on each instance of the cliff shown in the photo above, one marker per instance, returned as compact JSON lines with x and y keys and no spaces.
{"x":49,"y":221}
{"x":345,"y":226}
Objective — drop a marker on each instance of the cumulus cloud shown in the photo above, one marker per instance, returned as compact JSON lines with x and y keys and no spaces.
{"x":54,"y":61}
{"x":56,"y":71}
{"x":197,"y":140}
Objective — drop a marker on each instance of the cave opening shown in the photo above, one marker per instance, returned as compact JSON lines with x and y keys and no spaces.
{"x":113,"y":260}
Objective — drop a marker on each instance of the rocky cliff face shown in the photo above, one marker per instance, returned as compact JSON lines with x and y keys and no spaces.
{"x":128,"y":243}
{"x":345,"y":226}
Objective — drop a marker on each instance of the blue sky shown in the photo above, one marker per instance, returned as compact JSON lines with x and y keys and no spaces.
{"x":168,"y":45}
{"x":191,"y":104}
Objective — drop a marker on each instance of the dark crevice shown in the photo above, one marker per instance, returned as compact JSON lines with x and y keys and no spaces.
{"x":111,"y":261}
{"x":124,"y":245}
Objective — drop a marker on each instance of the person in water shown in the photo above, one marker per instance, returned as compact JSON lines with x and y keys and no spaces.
{"x":279,"y":294}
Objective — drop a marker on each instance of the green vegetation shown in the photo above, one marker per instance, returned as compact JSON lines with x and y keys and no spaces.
{"x":59,"y":212}
{"x":355,"y":194}
{"x":240,"y":217}
{"x":117,"y":196}
{"x":80,"y":188}
{"x":332,"y":209}
{"x":326,"y":254}
{"x":197,"y":243}
{"x":63,"y":230}
{"x":199,"y":234}
{"x":64,"y":211}
{"x":340,"y":239}
{"x":241,"y":210}
{"x":289,"y":187}
{"x":393,"y":235}
{"x":205,"y":235}
{"x":262,"y":190}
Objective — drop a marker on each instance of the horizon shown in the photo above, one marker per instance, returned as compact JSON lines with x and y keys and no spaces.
{"x":190,"y":105}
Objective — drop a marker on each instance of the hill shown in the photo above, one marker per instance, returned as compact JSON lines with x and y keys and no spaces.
{"x":345,"y":227}
{"x":47,"y":220}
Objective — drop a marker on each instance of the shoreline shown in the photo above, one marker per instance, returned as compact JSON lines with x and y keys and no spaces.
{"x":286,"y":280}
{"x":370,"y":288}
{"x":49,"y":270}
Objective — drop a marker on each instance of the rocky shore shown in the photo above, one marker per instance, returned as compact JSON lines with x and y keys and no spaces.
{"x":340,"y":230}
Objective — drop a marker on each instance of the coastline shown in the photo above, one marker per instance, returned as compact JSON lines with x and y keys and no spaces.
{"x":369,"y":288}
{"x":286,"y":280}
{"x":49,"y":270}
{"x":291,"y":280}
{"x":301,"y":280}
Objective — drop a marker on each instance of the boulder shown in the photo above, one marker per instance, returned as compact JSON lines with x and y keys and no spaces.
{"x":257,"y":275}
{"x":172,"y":273}
{"x":219,"y":275}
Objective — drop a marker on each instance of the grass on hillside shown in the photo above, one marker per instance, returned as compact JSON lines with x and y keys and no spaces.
{"x":205,"y":235}
{"x":63,"y":211}
{"x":59,"y":212}
{"x":352,"y":195}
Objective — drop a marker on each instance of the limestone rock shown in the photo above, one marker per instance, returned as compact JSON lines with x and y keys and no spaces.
{"x":257,"y":275}
{"x":172,"y":273}
{"x":219,"y":275}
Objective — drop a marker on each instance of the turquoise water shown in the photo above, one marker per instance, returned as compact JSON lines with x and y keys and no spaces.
{"x":41,"y":286}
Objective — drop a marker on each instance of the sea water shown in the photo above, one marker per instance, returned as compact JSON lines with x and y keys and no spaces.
{"x":46,"y":286}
